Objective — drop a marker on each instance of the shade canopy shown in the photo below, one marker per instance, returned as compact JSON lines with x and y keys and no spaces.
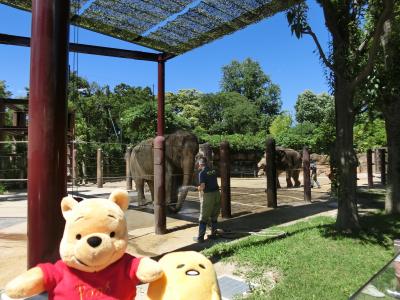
{"x":169,"y":26}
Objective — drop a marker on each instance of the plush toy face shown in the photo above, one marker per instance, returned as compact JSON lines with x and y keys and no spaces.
{"x":187,"y":275}
{"x":95,"y":234}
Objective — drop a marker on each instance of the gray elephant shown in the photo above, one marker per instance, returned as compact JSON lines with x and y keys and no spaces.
{"x":287,"y":160}
{"x":181,"y":148}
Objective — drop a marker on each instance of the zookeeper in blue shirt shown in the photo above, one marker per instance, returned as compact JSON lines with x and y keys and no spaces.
{"x":210,"y":200}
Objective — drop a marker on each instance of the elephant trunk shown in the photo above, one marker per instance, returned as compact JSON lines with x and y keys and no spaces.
{"x":187,"y":182}
{"x":183,"y":191}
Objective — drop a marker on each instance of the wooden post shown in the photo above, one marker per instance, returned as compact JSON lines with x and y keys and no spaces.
{"x":271,"y":174}
{"x":99,"y":168}
{"x":2,"y":123}
{"x":128,"y":169}
{"x":369,"y":168}
{"x":225,"y":173}
{"x":382,"y":161}
{"x":376,"y":161}
{"x":306,"y":175}
{"x":74,"y":166}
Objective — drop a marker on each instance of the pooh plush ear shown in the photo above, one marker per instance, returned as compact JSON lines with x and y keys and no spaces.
{"x":120,"y":197}
{"x":67,"y":204}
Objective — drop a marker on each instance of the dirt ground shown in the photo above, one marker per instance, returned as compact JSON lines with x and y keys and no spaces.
{"x":248,"y":202}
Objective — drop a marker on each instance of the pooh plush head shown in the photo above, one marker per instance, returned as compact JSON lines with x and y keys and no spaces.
{"x":95,"y":232}
{"x":187,"y":275}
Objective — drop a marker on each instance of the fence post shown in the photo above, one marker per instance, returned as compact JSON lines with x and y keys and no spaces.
{"x":207,"y":152}
{"x":128,"y":169}
{"x":225,"y":173}
{"x":382,"y":161}
{"x":369,"y":168}
{"x":306,"y":175}
{"x":99,"y":168}
{"x":271,"y":173}
{"x":2,"y":123}
{"x":74,"y":166}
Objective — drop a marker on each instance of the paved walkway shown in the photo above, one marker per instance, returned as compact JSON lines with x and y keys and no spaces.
{"x":142,"y":240}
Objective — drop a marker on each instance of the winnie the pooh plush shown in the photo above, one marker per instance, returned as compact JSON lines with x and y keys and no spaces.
{"x":187,"y":275}
{"x":93,"y":262}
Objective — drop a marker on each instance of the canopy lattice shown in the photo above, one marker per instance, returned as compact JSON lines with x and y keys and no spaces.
{"x":170,"y":26}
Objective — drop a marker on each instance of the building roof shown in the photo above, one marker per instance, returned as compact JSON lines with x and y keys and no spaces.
{"x":170,"y":26}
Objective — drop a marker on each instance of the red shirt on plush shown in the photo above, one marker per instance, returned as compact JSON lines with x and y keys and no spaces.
{"x":118,"y":281}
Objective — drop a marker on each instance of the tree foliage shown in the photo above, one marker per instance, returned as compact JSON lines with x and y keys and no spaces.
{"x":351,"y":60}
{"x":248,"y":79}
{"x":313,"y":108}
{"x":280,"y":124}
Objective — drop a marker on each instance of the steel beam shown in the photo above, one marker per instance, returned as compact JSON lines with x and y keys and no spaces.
{"x":47,"y":136}
{"x":9,"y":101}
{"x":90,"y":49}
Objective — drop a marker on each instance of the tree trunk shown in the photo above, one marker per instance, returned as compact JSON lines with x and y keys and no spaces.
{"x":392,"y":124}
{"x":346,"y":162}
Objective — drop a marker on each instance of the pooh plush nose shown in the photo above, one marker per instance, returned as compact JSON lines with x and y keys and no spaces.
{"x":94,"y":241}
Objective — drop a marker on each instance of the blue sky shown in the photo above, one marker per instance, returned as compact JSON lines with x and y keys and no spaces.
{"x":291,"y":63}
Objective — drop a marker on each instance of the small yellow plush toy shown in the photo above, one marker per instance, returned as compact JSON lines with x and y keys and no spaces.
{"x":93,"y":262}
{"x":187,"y":275}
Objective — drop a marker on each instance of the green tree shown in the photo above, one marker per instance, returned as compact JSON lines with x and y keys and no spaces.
{"x":4,"y":93}
{"x":298,"y":136}
{"x":313,"y":108}
{"x":351,"y":60}
{"x":382,"y":92}
{"x":227,"y":113}
{"x":280,"y":124}
{"x":185,"y":105}
{"x":319,"y":110}
{"x":248,"y":79}
{"x":369,"y":134}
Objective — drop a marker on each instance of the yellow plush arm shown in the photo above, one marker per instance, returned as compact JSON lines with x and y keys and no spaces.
{"x":148,"y":270}
{"x":27,"y":284}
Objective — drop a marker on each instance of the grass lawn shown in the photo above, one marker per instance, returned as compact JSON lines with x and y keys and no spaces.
{"x":312,"y":261}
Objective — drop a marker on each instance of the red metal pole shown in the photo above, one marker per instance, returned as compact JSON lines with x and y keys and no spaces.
{"x":47,"y":157}
{"x":161,"y":98}
{"x":159,"y":156}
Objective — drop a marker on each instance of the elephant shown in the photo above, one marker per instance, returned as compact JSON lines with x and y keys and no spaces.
{"x":287,"y":160}
{"x":181,"y":148}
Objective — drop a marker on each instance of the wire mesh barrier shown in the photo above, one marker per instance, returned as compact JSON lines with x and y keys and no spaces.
{"x":117,"y":165}
{"x":13,"y":162}
{"x":88,"y":162}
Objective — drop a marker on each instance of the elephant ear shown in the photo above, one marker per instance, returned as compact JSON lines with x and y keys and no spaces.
{"x":280,"y":154}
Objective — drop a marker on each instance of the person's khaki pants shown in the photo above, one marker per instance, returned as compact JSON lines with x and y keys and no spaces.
{"x":210,"y":205}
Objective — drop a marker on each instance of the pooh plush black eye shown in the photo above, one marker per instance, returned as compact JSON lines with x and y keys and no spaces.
{"x":78,"y":236}
{"x":180,"y":266}
{"x":112,"y":234}
{"x":202,"y":266}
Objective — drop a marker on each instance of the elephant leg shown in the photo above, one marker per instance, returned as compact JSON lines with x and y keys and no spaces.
{"x":278,"y":185}
{"x":288,"y":180}
{"x":168,"y":188}
{"x":139,"y":183}
{"x":151,"y":187}
{"x":295,"y":176}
